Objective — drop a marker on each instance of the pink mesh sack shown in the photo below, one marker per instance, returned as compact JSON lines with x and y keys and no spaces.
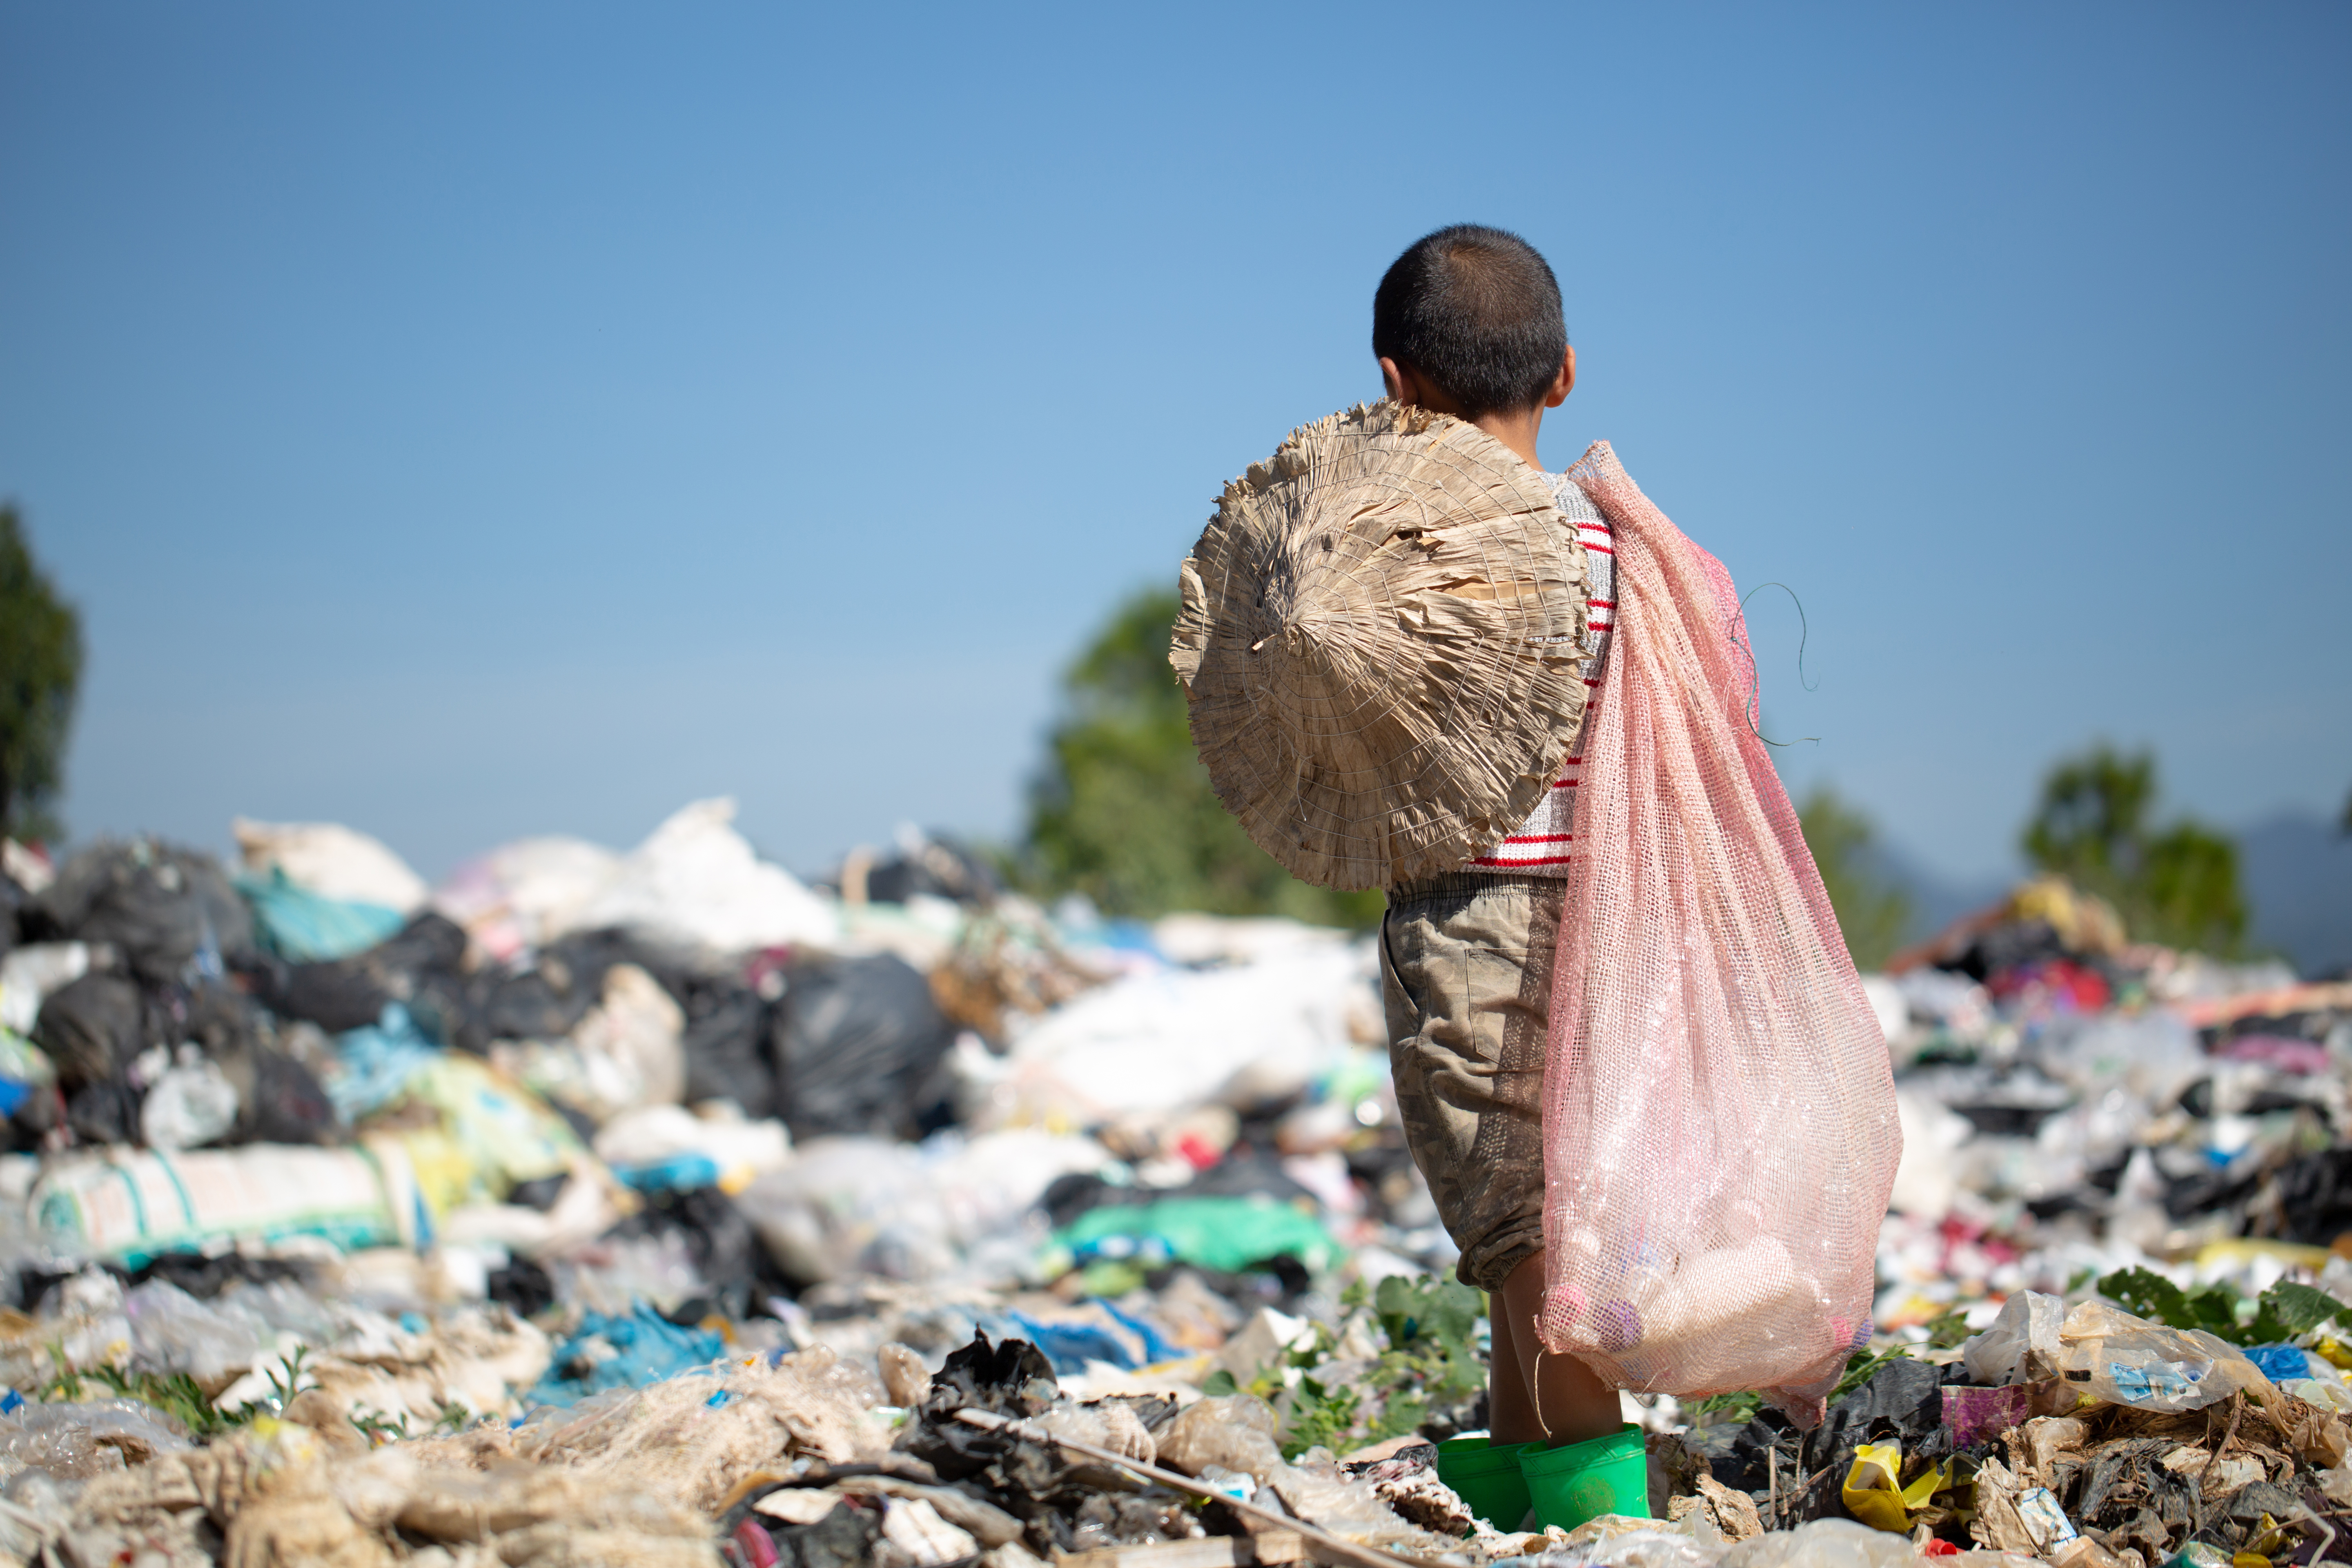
{"x":1720,"y":1121}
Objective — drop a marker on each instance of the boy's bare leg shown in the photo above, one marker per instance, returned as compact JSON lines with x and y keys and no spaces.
{"x":1554,"y":1398}
{"x":1510,"y":1399}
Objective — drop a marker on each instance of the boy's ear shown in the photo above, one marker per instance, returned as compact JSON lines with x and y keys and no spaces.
{"x":1394,"y":379}
{"x":1406,"y":385}
{"x":1561,"y":384}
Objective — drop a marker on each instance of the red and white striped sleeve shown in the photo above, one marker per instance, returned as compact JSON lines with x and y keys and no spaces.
{"x":1543,"y":845}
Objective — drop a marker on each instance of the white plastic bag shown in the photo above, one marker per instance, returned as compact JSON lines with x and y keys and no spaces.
{"x":189,"y":1106}
{"x":698,"y":882}
{"x":330,"y":860}
{"x":2021,"y":1345}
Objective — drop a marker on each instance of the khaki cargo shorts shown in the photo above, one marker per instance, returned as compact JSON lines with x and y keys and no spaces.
{"x":1465,"y":981}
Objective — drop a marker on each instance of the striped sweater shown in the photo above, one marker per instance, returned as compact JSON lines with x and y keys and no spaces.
{"x":1540,"y":847}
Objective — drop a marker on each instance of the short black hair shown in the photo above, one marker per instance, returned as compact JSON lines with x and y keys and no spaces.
{"x":1475,"y":310}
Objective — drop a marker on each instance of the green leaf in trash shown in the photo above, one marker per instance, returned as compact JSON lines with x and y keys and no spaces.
{"x":379,"y":1428}
{"x":1863,"y":1366}
{"x":2145,"y":1293}
{"x":175,"y":1393}
{"x":1320,"y":1417}
{"x":1429,"y":1359}
{"x":1441,"y":1311}
{"x":1948,"y":1331}
{"x":1725,"y":1409}
{"x":2285,"y":1311}
{"x":1218,"y":1383}
{"x":2288,"y":1312}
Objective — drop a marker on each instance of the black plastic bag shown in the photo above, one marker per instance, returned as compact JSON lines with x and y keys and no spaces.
{"x":523,"y":1285}
{"x":167,"y":909}
{"x":857,"y":1046}
{"x":546,"y":1000}
{"x":940,"y":867}
{"x":725,"y":1046}
{"x":2315,"y":1196}
{"x":721,"y":1244}
{"x":421,"y":966}
{"x":104,"y":1113}
{"x":93,"y":1029}
{"x":12,"y":900}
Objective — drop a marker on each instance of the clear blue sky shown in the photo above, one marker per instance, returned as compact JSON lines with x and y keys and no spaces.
{"x":470,"y":421}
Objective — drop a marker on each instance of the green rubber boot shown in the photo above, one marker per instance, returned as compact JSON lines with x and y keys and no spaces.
{"x":1486,"y":1476}
{"x":1585,"y":1480}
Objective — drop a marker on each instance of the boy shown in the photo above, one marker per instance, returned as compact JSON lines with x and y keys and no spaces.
{"x":1467,"y":322}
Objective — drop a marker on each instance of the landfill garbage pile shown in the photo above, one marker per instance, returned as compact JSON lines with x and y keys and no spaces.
{"x":660,"y":1207}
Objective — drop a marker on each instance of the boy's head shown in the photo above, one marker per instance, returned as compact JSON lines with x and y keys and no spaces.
{"x":1471,"y":315}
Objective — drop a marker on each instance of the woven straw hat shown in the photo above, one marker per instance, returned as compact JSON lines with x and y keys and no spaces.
{"x":1382,"y":636}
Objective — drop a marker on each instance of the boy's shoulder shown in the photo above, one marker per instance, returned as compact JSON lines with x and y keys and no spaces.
{"x":1573,"y":502}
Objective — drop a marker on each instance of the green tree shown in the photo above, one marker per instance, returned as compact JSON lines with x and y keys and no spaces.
{"x":2177,"y":885}
{"x":40,"y":665}
{"x":1123,"y":811}
{"x":1873,"y":913}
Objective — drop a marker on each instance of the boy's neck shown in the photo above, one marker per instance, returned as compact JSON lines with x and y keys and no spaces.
{"x":1516,"y":428}
{"x":1517,"y":431}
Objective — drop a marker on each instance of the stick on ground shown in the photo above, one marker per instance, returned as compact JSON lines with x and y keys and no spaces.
{"x":1321,"y":1544}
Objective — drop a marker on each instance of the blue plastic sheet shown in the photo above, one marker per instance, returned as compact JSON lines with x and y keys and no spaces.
{"x":623,"y":1352}
{"x":1157,"y":1346}
{"x":2280,"y":1363}
{"x":374,"y":1065}
{"x":296,"y":923}
{"x":684,"y":1173}
{"x":1070,"y":1346}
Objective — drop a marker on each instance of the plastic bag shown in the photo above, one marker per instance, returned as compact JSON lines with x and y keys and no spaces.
{"x":1234,"y":1431}
{"x":697,"y":882}
{"x":857,"y":1043}
{"x":29,"y":973}
{"x":624,"y":1051}
{"x":73,"y":1442}
{"x":1824,"y":1544}
{"x":1720,"y":1128}
{"x":92,"y":1028}
{"x":165,"y":908}
{"x":525,"y":894}
{"x":485,"y":1136}
{"x":735,"y":1151}
{"x":2306,"y":1374}
{"x":373,"y":1065}
{"x":188,"y":1106}
{"x":306,"y":927}
{"x":1874,"y":1492}
{"x":851,"y":1205}
{"x":2021,"y":1345}
{"x":330,"y":860}
{"x":1651,"y":1546}
{"x":171,"y":1331}
{"x":625,"y":1351}
{"x":2123,"y":1360}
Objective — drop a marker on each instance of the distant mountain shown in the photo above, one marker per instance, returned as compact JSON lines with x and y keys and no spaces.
{"x":2297,"y":871}
{"x":1937,"y":901}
